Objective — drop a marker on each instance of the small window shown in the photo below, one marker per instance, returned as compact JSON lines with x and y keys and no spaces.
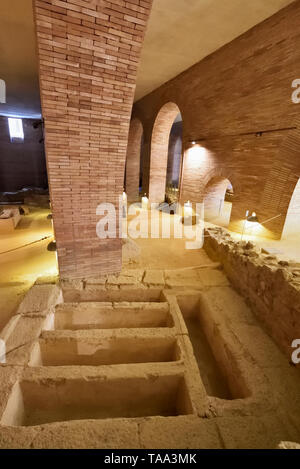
{"x":16,"y":129}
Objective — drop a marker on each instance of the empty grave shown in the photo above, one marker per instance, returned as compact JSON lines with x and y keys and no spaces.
{"x":214,"y":358}
{"x":96,"y":315}
{"x":68,"y":351}
{"x":45,"y":401}
{"x":117,"y":293}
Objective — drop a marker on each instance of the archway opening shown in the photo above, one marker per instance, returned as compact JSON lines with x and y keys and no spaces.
{"x":160,"y":151}
{"x":291,"y":229}
{"x":174,"y":162}
{"x":133,"y":168}
{"x":218,"y":199}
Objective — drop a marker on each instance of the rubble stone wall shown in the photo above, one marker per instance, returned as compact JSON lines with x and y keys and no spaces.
{"x":271,"y":287}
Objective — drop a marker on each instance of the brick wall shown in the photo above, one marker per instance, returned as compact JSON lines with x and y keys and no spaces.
{"x":88,"y":56}
{"x":22,"y":163}
{"x":226,"y":100}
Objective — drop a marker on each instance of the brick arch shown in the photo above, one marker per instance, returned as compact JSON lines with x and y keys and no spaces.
{"x":214,"y":192}
{"x":289,"y":151}
{"x":221,"y":174}
{"x":282,"y":181}
{"x":159,"y":151}
{"x":292,"y":220}
{"x":133,"y":159}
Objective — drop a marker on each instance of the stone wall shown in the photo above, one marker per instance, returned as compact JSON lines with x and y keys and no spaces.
{"x":88,"y":57}
{"x":237,"y":103}
{"x":271,"y":287}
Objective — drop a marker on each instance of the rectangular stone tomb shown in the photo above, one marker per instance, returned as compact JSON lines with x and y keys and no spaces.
{"x":216,"y":362}
{"x":103,"y":351}
{"x":112,"y":316}
{"x":49,"y":400}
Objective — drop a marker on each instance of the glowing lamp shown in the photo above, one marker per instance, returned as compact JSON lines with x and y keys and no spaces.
{"x":188,"y":209}
{"x":253,"y":218}
{"x":145,"y":202}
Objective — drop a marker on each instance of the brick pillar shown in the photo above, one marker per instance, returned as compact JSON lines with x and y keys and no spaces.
{"x":88,"y":57}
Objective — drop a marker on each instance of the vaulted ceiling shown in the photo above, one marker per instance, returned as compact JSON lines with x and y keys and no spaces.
{"x":180,"y":33}
{"x":18,"y":60}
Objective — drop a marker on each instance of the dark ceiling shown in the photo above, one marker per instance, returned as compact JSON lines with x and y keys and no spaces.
{"x":18,"y":59}
{"x":211,"y":24}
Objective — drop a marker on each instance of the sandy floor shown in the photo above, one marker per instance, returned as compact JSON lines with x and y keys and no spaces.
{"x":166,"y":253}
{"x":20,"y":267}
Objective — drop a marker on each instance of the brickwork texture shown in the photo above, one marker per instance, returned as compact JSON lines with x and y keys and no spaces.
{"x":237,"y":104}
{"x":88,"y":57}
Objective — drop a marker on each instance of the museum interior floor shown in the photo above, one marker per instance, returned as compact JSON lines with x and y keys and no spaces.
{"x":165,"y":355}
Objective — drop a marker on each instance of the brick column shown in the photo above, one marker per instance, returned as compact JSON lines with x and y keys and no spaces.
{"x":88,"y":56}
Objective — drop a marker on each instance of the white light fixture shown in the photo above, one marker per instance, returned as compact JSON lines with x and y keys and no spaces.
{"x":2,"y":92}
{"x":145,"y":202}
{"x":193,"y":142}
{"x":253,"y":218}
{"x":15,"y":128}
{"x":188,"y":209}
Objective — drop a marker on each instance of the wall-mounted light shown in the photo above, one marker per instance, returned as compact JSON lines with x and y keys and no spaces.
{"x":2,"y":92}
{"x":253,"y":218}
{"x":193,"y":142}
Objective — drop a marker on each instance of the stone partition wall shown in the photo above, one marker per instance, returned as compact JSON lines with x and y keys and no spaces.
{"x":237,"y":104}
{"x":271,"y":287}
{"x":89,"y":52}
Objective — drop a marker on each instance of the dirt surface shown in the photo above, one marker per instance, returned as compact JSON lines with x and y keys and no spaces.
{"x":20,"y":267}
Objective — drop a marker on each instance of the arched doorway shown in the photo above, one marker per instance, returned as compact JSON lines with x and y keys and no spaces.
{"x":160,"y":151}
{"x":218,"y":198}
{"x":174,"y":162}
{"x":133,"y":159}
{"x":291,"y":229}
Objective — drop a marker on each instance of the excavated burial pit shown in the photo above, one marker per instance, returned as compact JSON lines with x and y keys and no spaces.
{"x":103,"y":351}
{"x":215,"y":363}
{"x":39,"y":402}
{"x":93,"y":292}
{"x":76,"y":316}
